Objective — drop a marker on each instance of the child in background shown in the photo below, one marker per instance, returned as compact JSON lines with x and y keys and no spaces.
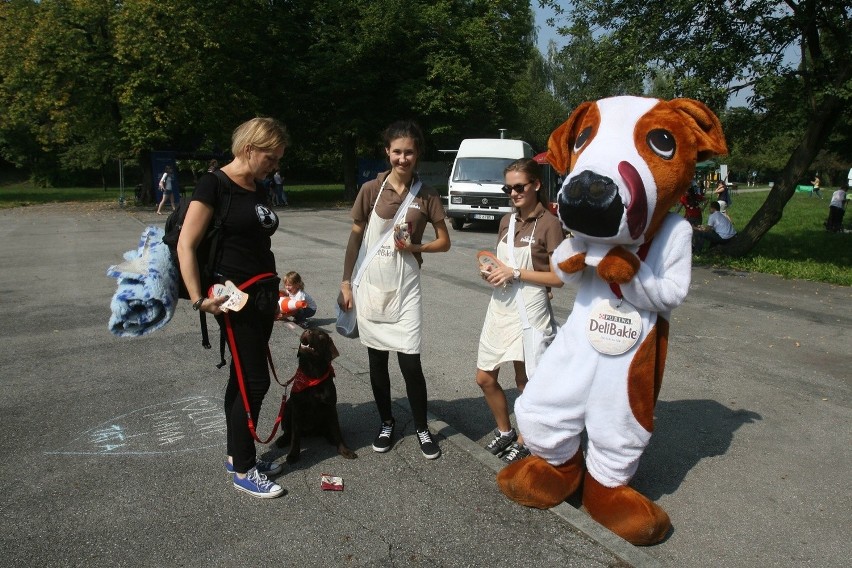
{"x":295,"y":301}
{"x":691,"y":203}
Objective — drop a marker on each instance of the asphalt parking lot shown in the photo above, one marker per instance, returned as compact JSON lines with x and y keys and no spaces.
{"x":114,"y":446}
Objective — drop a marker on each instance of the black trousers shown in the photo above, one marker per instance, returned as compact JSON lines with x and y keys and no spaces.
{"x":251,"y":330}
{"x":835,"y":218}
{"x":415,"y":384}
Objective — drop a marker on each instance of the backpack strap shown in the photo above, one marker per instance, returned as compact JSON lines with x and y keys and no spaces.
{"x":220,"y":214}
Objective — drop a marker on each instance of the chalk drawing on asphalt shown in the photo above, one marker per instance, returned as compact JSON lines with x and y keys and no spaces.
{"x":184,"y":425}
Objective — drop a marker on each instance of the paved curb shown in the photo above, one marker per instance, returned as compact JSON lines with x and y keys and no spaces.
{"x":578,"y":520}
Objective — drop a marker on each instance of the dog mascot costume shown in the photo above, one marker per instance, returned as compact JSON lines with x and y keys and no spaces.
{"x":629,"y":159}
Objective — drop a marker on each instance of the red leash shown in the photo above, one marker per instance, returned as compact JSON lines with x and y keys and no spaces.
{"x":239,"y":369}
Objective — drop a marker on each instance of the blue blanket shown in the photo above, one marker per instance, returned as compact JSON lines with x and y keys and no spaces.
{"x":147,"y":287}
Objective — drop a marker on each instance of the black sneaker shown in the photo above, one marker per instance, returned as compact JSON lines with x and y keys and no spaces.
{"x":516,"y":452}
{"x":427,"y":445}
{"x":501,"y":443}
{"x":384,"y":440}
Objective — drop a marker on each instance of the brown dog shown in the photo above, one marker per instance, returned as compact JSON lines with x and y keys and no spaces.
{"x":312,"y":407}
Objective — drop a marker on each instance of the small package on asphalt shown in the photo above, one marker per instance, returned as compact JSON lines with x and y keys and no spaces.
{"x":331,"y":482}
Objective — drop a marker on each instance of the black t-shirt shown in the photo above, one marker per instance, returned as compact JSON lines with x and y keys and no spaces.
{"x":246,"y":248}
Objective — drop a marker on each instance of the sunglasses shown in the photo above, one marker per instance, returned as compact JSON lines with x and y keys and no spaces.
{"x":517,"y":188}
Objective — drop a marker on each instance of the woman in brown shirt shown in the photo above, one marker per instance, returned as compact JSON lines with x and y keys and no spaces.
{"x":388,"y":296}
{"x":537,"y":233}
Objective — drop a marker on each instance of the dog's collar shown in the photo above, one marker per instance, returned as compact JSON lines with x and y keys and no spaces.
{"x":301,"y":381}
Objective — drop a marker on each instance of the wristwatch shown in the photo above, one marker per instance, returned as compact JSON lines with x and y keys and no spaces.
{"x":516,"y":274}
{"x":196,"y":305}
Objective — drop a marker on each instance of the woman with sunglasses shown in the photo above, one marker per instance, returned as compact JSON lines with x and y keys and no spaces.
{"x":537,"y":233}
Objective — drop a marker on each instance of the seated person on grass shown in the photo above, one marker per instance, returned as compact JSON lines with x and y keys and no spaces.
{"x":719,"y":229}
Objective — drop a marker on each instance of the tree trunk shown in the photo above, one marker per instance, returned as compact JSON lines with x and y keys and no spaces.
{"x":350,"y":167}
{"x":147,"y":193}
{"x":819,"y":128}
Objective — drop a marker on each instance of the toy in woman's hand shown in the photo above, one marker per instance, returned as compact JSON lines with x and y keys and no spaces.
{"x":487,"y":261}
{"x":629,"y":159}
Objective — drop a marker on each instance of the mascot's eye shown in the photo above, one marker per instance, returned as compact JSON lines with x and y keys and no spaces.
{"x":662,"y":143}
{"x":582,"y":138}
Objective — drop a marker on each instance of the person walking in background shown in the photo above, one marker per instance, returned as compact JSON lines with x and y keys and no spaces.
{"x":723,"y":196}
{"x":166,"y":187}
{"x":388,"y":296}
{"x":815,"y":183}
{"x":245,"y":253}
{"x":280,"y":196}
{"x":537,"y":233}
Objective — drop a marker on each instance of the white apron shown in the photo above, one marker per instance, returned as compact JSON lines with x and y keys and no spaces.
{"x":388,"y":297}
{"x":501,"y":339}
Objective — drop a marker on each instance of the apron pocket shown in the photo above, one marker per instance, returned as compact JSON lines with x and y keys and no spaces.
{"x":379,"y":305}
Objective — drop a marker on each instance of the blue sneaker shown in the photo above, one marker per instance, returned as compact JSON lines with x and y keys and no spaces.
{"x":266,"y":468}
{"x":258,"y":485}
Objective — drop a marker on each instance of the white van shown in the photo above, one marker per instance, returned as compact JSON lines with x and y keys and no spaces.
{"x":476,"y":180}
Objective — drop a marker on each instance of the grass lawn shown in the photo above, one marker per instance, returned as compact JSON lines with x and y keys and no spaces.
{"x":797,"y":247}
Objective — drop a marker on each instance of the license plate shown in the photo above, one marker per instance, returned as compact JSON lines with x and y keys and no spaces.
{"x":484,"y":217}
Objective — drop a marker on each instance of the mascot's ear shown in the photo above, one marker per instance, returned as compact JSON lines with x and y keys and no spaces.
{"x":559,"y":145}
{"x":709,"y":140}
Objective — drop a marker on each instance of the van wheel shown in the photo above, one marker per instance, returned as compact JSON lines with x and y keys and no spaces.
{"x":457,"y":223}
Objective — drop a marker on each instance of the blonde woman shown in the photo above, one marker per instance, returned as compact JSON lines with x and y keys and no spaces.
{"x":244,"y":253}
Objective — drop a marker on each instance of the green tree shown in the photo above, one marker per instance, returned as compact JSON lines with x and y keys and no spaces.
{"x":590,"y":67}
{"x":86,"y":81}
{"x":711,"y":49}
{"x":540,"y":111}
{"x":451,"y":64}
{"x":55,"y":86}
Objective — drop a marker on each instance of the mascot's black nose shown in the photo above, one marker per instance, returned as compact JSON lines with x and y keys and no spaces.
{"x":590,"y":204}
{"x":589,"y":190}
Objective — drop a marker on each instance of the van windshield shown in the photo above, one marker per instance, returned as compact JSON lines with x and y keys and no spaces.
{"x":481,"y":170}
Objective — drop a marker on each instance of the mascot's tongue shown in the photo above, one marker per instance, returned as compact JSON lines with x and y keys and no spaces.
{"x":637,"y":211}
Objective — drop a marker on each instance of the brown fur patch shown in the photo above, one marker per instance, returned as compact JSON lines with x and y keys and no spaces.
{"x":619,"y":266}
{"x":560,"y":145}
{"x":573,"y":264}
{"x":698,"y":135}
{"x":641,"y":381}
{"x":662,"y":351}
{"x":626,"y":512}
{"x":533,"y":482}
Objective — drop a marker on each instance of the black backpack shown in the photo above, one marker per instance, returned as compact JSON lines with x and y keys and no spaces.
{"x":208,"y":252}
